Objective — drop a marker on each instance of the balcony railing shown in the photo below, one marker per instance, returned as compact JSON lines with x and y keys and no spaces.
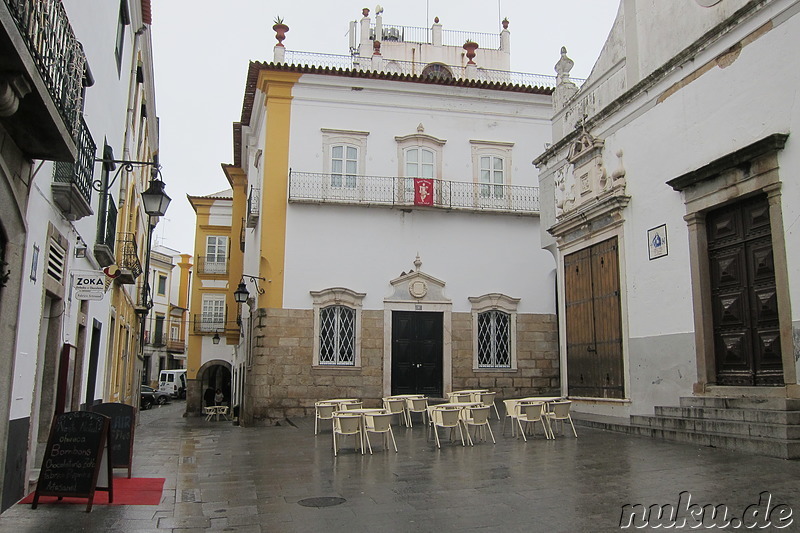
{"x":253,"y":206}
{"x":176,"y":346}
{"x":59,"y":57}
{"x":128,"y":263}
{"x":310,"y":187}
{"x":106,"y":233}
{"x":210,"y":323}
{"x":412,"y":34}
{"x":211,"y":264}
{"x":414,"y":68}
{"x":72,"y":182}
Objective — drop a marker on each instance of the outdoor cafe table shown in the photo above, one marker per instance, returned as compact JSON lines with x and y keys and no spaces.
{"x":363,"y":413}
{"x":338,"y":402}
{"x":467,"y":392}
{"x":216,"y":410}
{"x":461,"y":406}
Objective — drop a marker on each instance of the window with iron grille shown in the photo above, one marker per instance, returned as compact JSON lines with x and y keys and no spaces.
{"x":337,"y":327}
{"x":337,"y":335}
{"x":494,"y":323}
{"x":493,"y":340}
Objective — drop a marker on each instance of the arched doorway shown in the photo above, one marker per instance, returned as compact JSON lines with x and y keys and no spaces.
{"x":212,"y":375}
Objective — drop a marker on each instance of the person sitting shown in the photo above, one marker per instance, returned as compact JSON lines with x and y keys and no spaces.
{"x":219,"y":398}
{"x":208,"y":397}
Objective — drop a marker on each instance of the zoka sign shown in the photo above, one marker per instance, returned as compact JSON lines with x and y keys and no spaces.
{"x":89,"y":285}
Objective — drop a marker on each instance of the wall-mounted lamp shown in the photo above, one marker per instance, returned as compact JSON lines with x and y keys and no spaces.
{"x":80,"y":248}
{"x":241,"y":294}
{"x":215,"y":339}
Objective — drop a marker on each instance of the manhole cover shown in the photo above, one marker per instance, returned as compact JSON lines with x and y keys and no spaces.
{"x":324,"y":501}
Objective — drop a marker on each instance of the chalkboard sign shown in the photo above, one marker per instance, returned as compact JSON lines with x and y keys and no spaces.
{"x":73,"y":457}
{"x":123,"y":422}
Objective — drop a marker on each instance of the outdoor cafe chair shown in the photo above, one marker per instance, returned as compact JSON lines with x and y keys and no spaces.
{"x":350,"y":405}
{"x":347,"y":424}
{"x":530,"y":413}
{"x":487,"y":399}
{"x":479,"y":417}
{"x":416,"y":405}
{"x":560,"y":411}
{"x":449,"y":419}
{"x":459,"y":397}
{"x":322,"y":411}
{"x":396,"y":406}
{"x":379,"y":423}
{"x":511,"y":413}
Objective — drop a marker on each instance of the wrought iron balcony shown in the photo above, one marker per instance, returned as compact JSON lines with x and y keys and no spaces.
{"x":72,"y":182}
{"x":210,"y":323}
{"x":310,"y":187}
{"x":129,"y":265}
{"x":45,"y":63}
{"x":106,"y":232}
{"x":211,"y":265}
{"x":253,"y":206}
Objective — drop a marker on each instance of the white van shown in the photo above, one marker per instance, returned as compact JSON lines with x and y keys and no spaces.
{"x":173,"y":382}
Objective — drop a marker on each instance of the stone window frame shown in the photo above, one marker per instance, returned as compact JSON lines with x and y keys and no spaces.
{"x":343,"y":297}
{"x":335,"y":137}
{"x":502,"y":150}
{"x":495,"y":302}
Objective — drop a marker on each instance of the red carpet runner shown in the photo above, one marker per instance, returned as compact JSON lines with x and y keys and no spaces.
{"x":134,"y":491}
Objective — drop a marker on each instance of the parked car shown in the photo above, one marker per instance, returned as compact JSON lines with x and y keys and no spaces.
{"x":151,"y":396}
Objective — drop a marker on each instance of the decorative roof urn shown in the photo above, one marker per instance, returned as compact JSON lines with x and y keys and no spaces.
{"x":470,"y":47}
{"x":280,"y":30}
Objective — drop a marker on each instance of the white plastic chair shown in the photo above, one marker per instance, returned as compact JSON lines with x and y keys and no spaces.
{"x":417,"y":405}
{"x":344,"y":424}
{"x":379,"y":423}
{"x":459,"y":397}
{"x":447,"y":418}
{"x":350,"y":405}
{"x":396,"y":406}
{"x":322,"y":411}
{"x":530,"y":413}
{"x":487,"y":399}
{"x":560,"y":411}
{"x":479,"y":417}
{"x":511,"y":413}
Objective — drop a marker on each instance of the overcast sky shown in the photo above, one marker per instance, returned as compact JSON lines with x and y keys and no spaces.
{"x":202,"y":48}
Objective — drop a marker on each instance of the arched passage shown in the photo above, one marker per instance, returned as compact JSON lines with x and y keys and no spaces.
{"x":212,"y":375}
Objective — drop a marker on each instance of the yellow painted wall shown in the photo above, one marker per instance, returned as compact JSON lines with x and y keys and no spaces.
{"x":277,"y":86}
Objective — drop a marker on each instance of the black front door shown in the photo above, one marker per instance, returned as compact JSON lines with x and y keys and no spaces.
{"x":417,"y":353}
{"x":744,"y":295}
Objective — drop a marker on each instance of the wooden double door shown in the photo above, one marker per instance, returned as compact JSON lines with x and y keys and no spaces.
{"x":417,"y":353}
{"x":593,"y":322}
{"x":747,"y":347}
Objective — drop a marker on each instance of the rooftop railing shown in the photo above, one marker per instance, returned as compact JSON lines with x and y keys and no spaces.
{"x":412,"y":68}
{"x":59,"y":56}
{"x":312,"y":187}
{"x":412,"y":34}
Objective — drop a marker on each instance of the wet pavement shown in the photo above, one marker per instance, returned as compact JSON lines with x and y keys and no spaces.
{"x":222,"y":477}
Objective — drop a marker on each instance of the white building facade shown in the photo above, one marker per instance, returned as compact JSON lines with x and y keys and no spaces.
{"x":667,"y":202}
{"x":392,"y":228}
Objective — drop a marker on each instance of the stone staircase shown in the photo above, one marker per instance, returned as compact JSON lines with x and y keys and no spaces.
{"x":759,"y":426}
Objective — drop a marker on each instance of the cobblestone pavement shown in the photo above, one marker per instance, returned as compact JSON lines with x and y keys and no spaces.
{"x":221,"y":477}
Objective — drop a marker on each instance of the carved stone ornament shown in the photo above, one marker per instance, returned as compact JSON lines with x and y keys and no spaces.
{"x":418,"y":288}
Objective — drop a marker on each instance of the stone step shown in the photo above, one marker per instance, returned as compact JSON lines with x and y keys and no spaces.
{"x":781,"y":448}
{"x":762,"y":416}
{"x":737,"y":402}
{"x":722,"y":427}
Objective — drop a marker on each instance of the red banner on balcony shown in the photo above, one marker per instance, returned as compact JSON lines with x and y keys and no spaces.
{"x":423,"y":191}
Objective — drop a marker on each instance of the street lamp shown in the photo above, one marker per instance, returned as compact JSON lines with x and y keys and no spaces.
{"x":241,"y":294}
{"x":215,"y":339}
{"x":154,"y":199}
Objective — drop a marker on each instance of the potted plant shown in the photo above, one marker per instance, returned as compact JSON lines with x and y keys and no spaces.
{"x":280,"y":30}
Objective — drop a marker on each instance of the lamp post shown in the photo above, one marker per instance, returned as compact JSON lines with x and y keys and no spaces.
{"x":155,"y":202}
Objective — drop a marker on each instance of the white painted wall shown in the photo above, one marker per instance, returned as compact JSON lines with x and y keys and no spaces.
{"x":364,"y":248}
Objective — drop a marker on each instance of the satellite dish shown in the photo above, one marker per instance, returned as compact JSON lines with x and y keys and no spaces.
{"x":378,"y":9}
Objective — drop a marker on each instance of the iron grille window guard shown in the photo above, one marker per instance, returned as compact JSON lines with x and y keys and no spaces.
{"x":313,"y":187}
{"x":253,"y":206}
{"x":337,"y":336}
{"x":494,"y":340}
